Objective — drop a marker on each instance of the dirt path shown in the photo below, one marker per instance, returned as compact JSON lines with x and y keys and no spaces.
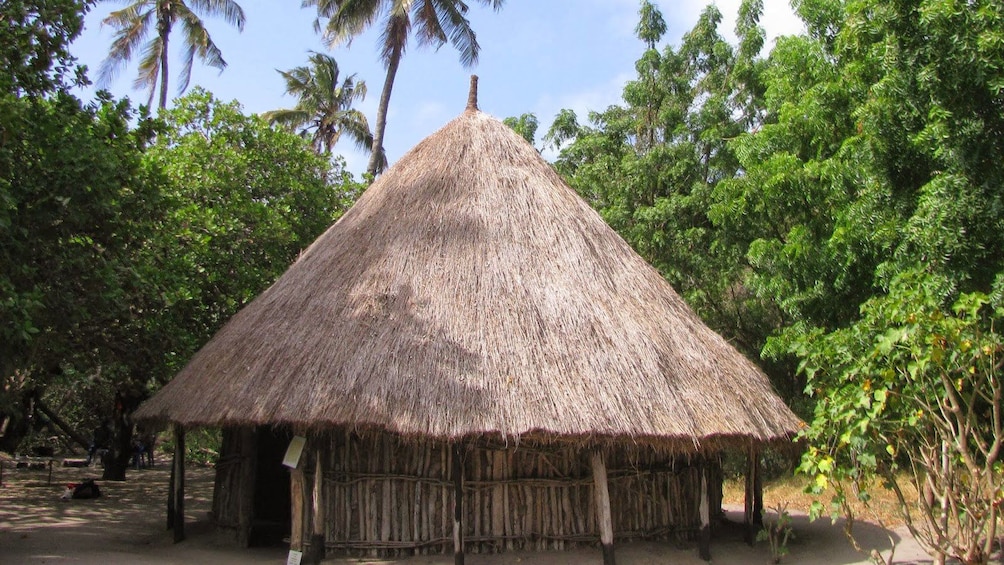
{"x":126,"y":525}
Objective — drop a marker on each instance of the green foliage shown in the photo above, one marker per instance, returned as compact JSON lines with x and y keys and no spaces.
{"x":35,"y":36}
{"x":777,"y":532}
{"x":653,"y":166}
{"x":72,"y":193}
{"x":525,"y":125}
{"x":202,"y":446}
{"x":323,"y":110}
{"x":651,"y":26}
{"x":119,"y":258}
{"x":808,"y":203}
{"x":244,"y":199}
{"x":433,"y":23}
{"x":912,"y":384}
{"x":134,"y":23}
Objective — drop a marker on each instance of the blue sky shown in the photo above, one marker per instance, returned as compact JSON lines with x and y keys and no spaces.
{"x":536,"y":56}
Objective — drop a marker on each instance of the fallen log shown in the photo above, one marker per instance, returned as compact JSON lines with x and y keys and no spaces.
{"x":62,"y":425}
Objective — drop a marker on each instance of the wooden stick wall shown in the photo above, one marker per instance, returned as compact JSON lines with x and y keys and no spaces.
{"x":386,"y":496}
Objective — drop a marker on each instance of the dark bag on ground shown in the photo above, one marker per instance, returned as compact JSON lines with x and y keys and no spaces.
{"x":86,"y":489}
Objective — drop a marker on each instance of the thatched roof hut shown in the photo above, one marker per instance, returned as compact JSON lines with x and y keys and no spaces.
{"x":471,"y":295}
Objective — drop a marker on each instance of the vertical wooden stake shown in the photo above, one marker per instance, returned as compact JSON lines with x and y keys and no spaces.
{"x":458,"y":504}
{"x":317,"y":518}
{"x":704,"y":545}
{"x":247,"y":475}
{"x":297,"y":495}
{"x":603,"y":517}
{"x":753,"y":516}
{"x":178,"y":493}
{"x":757,"y":494}
{"x":170,"y":493}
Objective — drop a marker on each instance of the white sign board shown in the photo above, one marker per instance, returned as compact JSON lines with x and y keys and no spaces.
{"x":293,"y":452}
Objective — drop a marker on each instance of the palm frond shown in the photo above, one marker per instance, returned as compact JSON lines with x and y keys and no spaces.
{"x":394,"y":39}
{"x":493,"y":4}
{"x":324,"y":69}
{"x":290,"y":118}
{"x":429,"y":29}
{"x":132,"y":25}
{"x":323,"y":7}
{"x":230,"y":11}
{"x":354,"y":124}
{"x":134,"y":22}
{"x":197,"y":43}
{"x":354,"y":90}
{"x":149,"y":68}
{"x":297,"y":79}
{"x":324,"y":106}
{"x":453,"y":17}
{"x":349,"y":18}
{"x":185,"y":74}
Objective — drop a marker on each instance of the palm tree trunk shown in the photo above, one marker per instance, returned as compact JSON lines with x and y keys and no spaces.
{"x":381,"y":119}
{"x":164,"y":29}
{"x":163,"y":76}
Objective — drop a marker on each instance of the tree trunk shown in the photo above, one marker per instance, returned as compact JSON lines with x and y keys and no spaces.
{"x":178,"y":484}
{"x":164,"y":29}
{"x":120,"y":452}
{"x":63,"y":426}
{"x":377,"y":152}
{"x":17,"y":425}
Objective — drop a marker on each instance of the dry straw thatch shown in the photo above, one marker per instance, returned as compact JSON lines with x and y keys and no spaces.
{"x":471,"y":291}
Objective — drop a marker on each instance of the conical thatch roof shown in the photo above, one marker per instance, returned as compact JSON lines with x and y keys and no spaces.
{"x":470,"y":290}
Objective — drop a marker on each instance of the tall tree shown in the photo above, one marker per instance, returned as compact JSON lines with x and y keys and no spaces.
{"x":135,"y":22}
{"x":870,"y":203}
{"x":323,"y":110}
{"x":651,"y":26}
{"x":435,"y":23}
{"x":69,"y":202}
{"x":651,"y":165}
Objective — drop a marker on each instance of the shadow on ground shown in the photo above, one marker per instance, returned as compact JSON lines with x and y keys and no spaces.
{"x":127,"y":525}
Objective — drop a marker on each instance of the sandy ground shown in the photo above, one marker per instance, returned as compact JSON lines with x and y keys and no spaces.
{"x":127,"y":525}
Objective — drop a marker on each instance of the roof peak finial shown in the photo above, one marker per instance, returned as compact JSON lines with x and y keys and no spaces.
{"x":472,"y":95}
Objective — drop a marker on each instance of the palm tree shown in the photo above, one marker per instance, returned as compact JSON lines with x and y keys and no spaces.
{"x":435,"y":22}
{"x":323,"y":111}
{"x":134,"y":22}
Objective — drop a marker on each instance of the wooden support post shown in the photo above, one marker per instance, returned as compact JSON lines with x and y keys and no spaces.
{"x":603,"y":515}
{"x":458,"y":504}
{"x":296,"y":500}
{"x":757,"y":493}
{"x":247,"y":474}
{"x":753,"y":510}
{"x":178,"y":494}
{"x":704,"y":545}
{"x":317,"y":516}
{"x":170,"y":496}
